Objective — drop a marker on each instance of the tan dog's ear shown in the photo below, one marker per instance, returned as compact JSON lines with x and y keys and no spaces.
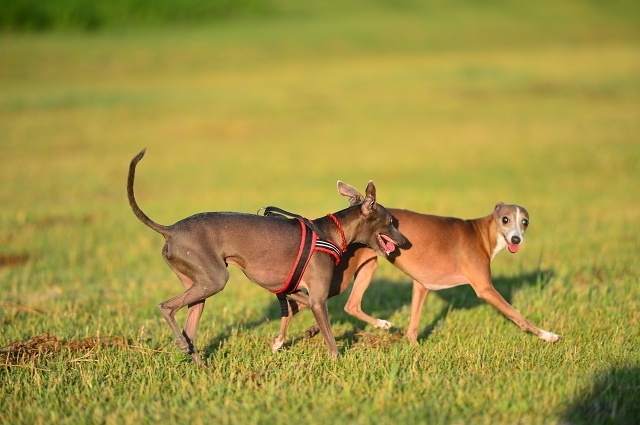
{"x":370,"y":203}
{"x":498,"y":206}
{"x":355,"y":197}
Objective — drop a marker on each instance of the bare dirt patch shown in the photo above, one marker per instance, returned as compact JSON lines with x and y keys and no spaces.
{"x":7,"y":260}
{"x":47,"y":345}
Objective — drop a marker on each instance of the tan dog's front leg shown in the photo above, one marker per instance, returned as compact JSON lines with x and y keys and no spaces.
{"x":294,"y":306}
{"x":493,"y":297}
{"x":360,"y":284}
{"x":417,"y":302}
{"x":277,"y":343}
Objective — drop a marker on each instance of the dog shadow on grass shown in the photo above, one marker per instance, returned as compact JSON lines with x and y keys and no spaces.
{"x":613,"y":398}
{"x":384,"y":298}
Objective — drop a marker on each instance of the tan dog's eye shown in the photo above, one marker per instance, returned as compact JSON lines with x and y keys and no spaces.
{"x":505,"y":220}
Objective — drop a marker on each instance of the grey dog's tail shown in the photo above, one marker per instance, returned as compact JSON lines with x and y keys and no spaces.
{"x":132,"y":200}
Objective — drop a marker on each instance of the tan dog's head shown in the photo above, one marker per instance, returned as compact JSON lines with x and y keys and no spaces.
{"x":511,"y":221}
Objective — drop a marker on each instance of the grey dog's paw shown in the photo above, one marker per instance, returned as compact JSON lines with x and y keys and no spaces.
{"x":311,"y":332}
{"x":183,"y":345}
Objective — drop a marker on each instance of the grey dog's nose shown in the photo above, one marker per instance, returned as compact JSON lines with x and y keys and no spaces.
{"x":515,"y":239}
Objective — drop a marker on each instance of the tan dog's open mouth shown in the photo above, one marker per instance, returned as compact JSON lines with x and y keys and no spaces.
{"x":512,"y":247}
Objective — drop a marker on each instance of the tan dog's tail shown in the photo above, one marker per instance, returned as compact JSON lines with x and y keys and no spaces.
{"x":132,"y":200}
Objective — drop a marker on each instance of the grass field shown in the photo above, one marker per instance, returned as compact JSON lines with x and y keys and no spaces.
{"x":449,"y":109}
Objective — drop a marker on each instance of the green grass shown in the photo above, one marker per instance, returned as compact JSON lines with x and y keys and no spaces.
{"x":448,"y":109}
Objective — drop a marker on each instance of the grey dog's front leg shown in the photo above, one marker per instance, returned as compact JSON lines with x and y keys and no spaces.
{"x":321,"y":313}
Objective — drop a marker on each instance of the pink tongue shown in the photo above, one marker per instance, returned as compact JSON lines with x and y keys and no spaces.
{"x":513,"y":248}
{"x":389,"y":246}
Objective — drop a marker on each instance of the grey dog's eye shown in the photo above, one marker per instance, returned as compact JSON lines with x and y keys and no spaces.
{"x":525,"y":222}
{"x":505,"y":219}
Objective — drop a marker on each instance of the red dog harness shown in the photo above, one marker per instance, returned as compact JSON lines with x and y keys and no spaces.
{"x":310,"y":241}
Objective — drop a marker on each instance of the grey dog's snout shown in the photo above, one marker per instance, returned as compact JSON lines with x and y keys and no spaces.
{"x":516,"y":240}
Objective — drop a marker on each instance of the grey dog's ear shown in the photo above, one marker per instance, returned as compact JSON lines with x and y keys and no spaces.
{"x":355,"y":197}
{"x":498,"y":206}
{"x":370,"y":203}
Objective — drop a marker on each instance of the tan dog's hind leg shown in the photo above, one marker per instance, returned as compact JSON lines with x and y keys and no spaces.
{"x":417,"y":302}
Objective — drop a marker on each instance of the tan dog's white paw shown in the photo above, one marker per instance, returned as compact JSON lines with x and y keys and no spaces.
{"x":549,"y":336}
{"x":276,"y":344}
{"x":383,"y":324}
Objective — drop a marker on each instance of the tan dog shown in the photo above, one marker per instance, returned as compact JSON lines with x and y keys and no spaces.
{"x":444,"y":252}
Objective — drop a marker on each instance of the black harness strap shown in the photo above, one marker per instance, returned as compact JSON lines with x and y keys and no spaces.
{"x":275,"y":211}
{"x":284,"y":304}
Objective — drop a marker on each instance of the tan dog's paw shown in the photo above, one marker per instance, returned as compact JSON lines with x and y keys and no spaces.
{"x":383,"y":324}
{"x":549,"y":336}
{"x":277,"y":343}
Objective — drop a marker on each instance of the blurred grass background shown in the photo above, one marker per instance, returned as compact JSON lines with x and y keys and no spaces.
{"x":449,"y":107}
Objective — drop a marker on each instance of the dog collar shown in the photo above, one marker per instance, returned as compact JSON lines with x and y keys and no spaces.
{"x":344,"y":240}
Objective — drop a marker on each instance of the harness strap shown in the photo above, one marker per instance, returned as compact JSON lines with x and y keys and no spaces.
{"x":275,"y":211}
{"x":307,"y":243}
{"x":330,"y":248}
{"x":284,"y":304}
